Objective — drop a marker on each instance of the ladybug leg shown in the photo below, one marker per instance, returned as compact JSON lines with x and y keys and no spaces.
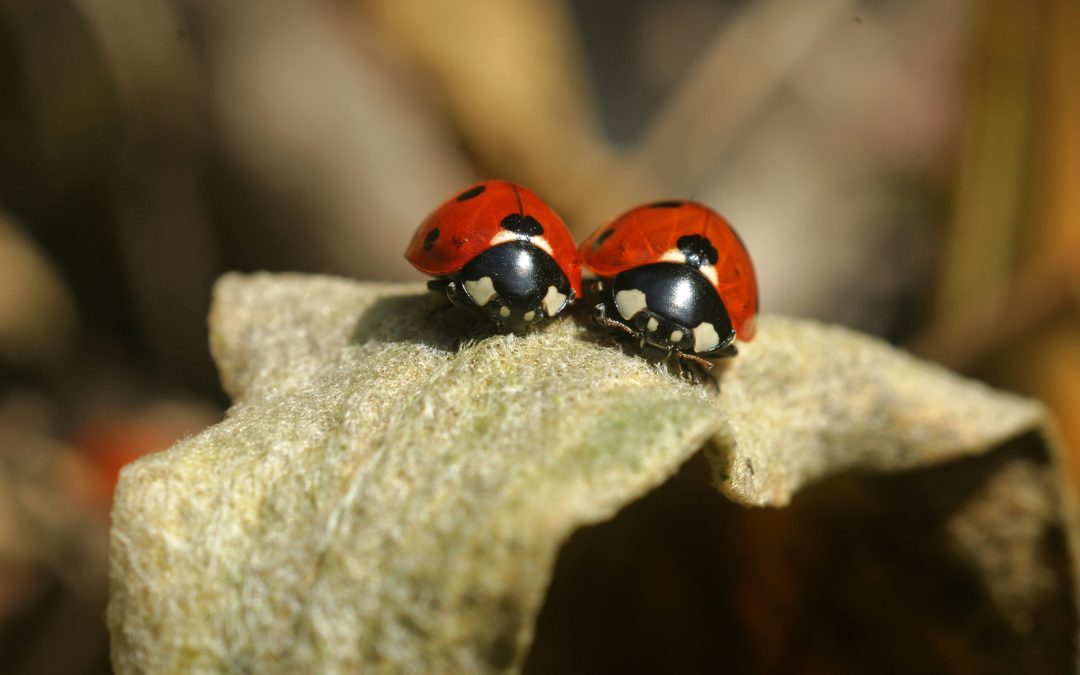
{"x":712,"y":382}
{"x":705,"y":364}
{"x":451,"y":289}
{"x":600,"y":317}
{"x":727,"y":352}
{"x":685,"y":373}
{"x":696,"y":370}
{"x":445,"y":286}
{"x":457,"y":295}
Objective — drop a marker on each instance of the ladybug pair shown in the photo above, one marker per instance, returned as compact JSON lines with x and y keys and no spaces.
{"x":671,"y":275}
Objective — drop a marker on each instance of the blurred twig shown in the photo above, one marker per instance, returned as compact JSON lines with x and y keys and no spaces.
{"x":747,"y":63}
{"x":165,"y":234}
{"x":38,"y":324}
{"x":742,"y":69}
{"x":1045,"y":289}
{"x":512,"y":75}
{"x":1010,"y":295}
{"x":989,"y":195}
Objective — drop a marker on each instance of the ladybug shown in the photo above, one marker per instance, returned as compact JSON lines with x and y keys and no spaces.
{"x":675,"y":277}
{"x":498,"y":250}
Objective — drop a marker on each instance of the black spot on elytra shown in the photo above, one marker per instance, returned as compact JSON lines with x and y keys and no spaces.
{"x":671,"y":204}
{"x":470,"y":193}
{"x":430,"y":240}
{"x":698,"y":250}
{"x":527,"y":225}
{"x":604,"y":236}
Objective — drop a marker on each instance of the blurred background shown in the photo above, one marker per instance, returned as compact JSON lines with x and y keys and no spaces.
{"x":910,"y":168}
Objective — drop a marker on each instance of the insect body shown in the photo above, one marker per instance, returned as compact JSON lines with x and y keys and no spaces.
{"x":676,"y":277}
{"x":498,"y":250}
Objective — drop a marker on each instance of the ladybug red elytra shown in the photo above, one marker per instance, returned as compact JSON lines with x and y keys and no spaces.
{"x":676,"y":277}
{"x":499,"y":250}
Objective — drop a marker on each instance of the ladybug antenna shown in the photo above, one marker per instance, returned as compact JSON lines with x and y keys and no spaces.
{"x":517,"y":196}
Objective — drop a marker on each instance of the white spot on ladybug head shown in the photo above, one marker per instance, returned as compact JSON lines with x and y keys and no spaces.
{"x":652,"y":325}
{"x":505,"y":236}
{"x":676,"y":336}
{"x":504,"y":311}
{"x":705,"y":337}
{"x":675,"y":255}
{"x":710,"y":273}
{"x":553,"y":301}
{"x":529,"y":316}
{"x":630,"y":302}
{"x":540,"y":242}
{"x":481,"y":291}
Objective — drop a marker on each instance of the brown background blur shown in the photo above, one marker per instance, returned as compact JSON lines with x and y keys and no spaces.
{"x":906,"y":167}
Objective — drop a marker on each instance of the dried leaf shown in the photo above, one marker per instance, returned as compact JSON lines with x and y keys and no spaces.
{"x":379,"y":497}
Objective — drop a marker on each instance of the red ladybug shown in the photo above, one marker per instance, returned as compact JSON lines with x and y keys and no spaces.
{"x":499,"y":250}
{"x":677,"y":278}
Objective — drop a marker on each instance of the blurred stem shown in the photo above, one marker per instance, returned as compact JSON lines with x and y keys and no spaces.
{"x":744,"y":67}
{"x":1056,"y":209}
{"x":1021,"y":166}
{"x":511,"y":74}
{"x":978,"y":253}
{"x":166,"y":237}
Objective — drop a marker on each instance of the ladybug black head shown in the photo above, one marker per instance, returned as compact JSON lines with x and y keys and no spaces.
{"x":669,"y":307}
{"x":516,"y":284}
